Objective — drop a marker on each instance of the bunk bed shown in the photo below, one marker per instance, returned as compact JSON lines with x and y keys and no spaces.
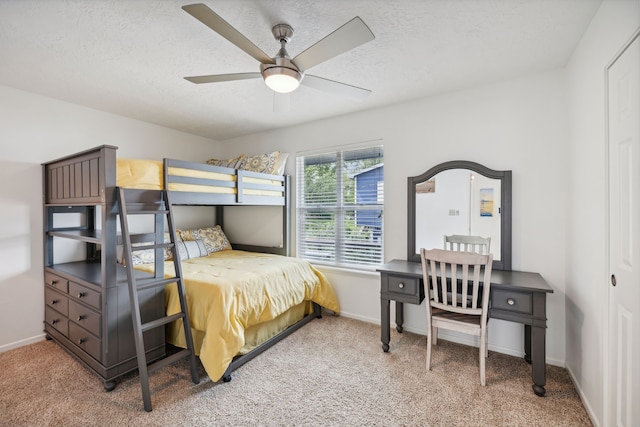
{"x":86,"y":182}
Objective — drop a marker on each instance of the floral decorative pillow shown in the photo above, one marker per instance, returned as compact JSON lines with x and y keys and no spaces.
{"x":213,"y":238}
{"x":147,"y":256}
{"x":229,"y":163}
{"x":264,"y":163}
{"x":143,"y":257}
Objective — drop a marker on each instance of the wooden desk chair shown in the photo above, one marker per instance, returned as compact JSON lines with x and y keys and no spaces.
{"x":481,"y":245}
{"x":463,"y":308}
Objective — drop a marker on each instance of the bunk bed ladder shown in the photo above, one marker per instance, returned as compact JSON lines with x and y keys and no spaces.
{"x":156,"y":203}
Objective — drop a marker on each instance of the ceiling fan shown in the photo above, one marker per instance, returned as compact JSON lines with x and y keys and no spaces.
{"x":281,"y":73}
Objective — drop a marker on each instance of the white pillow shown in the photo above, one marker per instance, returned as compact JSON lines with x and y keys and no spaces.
{"x":281,"y":163}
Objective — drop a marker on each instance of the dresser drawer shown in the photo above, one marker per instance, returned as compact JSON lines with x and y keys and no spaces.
{"x":83,"y":339}
{"x":516,"y":301}
{"x":56,"y":320}
{"x":56,"y":300}
{"x":86,"y":295}
{"x":55,"y":281}
{"x":85,"y":317}
{"x":402,"y":288}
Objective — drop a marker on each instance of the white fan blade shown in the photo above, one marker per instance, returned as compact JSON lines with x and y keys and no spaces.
{"x":336,"y":88}
{"x":212,"y":20}
{"x":223,"y":77}
{"x":351,"y":35}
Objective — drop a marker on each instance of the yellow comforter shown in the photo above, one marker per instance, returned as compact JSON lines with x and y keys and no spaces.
{"x":230,"y":291}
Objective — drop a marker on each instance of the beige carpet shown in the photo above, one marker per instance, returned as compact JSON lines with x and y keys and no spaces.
{"x":331,"y":372}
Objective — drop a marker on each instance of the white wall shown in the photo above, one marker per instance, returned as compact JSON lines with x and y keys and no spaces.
{"x":520,"y":125}
{"x":547,"y":128}
{"x":587,"y":282}
{"x":36,"y":129}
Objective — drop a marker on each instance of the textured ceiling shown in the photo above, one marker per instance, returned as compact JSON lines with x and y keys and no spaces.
{"x":129,"y":57}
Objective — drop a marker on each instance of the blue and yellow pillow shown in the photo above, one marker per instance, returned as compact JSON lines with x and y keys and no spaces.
{"x":229,"y":163}
{"x":213,"y":238}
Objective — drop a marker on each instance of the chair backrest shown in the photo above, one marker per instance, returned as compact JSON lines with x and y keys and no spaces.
{"x":481,"y":245}
{"x":457,"y":281}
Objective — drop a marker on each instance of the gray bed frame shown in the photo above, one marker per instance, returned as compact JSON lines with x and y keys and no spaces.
{"x":89,"y":178}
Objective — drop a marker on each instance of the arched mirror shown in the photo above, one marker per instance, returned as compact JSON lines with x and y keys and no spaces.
{"x":460,"y":198}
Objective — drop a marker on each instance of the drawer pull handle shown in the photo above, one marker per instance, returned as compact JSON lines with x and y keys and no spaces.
{"x":511,"y":301}
{"x":81,"y":294}
{"x":54,"y":321}
{"x":81,"y":341}
{"x":53,"y":283}
{"x":54,"y":301}
{"x":81,"y":317}
{"x":401,"y":285}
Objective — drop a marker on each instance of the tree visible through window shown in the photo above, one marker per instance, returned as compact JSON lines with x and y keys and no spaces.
{"x":340,"y":206}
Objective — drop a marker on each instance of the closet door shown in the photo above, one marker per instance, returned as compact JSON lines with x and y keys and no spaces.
{"x":623,"y":87}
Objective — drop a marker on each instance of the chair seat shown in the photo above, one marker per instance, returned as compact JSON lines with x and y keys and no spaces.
{"x":465,"y":323}
{"x":457,"y":317}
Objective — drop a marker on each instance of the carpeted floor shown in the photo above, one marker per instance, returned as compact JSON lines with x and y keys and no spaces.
{"x":332,"y":372}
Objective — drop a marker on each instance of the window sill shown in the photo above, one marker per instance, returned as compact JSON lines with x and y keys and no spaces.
{"x":360,"y":272}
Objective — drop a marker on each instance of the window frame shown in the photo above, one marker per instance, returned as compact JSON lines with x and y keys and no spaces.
{"x":343,"y":257}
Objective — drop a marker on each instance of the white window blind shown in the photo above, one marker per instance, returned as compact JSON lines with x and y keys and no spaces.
{"x":340,"y":207}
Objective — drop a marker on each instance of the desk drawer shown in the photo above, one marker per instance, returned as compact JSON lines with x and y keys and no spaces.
{"x":402,"y":288}
{"x":516,"y":301}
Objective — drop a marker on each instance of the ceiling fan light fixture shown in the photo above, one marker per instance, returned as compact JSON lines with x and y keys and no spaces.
{"x":281,"y":73}
{"x":281,"y":79}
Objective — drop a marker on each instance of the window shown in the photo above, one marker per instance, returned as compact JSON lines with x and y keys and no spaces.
{"x":340,"y":207}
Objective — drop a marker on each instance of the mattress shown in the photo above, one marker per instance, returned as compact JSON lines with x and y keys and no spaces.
{"x":230,"y":292}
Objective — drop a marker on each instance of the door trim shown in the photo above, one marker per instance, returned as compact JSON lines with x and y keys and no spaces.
{"x":607,"y":314}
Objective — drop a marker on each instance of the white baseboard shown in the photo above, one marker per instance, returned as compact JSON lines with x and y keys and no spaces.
{"x":469,"y":340}
{"x":361,"y":318}
{"x":585,"y":401}
{"x":21,"y":343}
{"x":457,"y":338}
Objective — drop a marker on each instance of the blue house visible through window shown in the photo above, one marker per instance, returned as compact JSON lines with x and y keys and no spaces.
{"x":369,"y":191}
{"x":340,"y":207}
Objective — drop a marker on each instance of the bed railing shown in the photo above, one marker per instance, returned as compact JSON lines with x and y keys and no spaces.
{"x":202,"y":184}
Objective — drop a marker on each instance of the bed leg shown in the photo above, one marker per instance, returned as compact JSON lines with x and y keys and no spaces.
{"x":226,"y":377}
{"x":317,"y":310}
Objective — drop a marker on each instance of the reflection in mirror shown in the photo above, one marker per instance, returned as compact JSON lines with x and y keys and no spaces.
{"x":460,"y":198}
{"x":457,"y":201}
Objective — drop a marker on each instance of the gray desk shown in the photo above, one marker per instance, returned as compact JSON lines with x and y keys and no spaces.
{"x":516,"y":296}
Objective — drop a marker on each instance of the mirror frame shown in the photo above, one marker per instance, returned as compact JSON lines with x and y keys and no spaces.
{"x":504,"y":263}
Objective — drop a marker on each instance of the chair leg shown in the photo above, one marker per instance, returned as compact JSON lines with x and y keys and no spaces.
{"x":486,"y":347}
{"x":429,"y":342}
{"x":434,"y":333}
{"x":483,"y":359}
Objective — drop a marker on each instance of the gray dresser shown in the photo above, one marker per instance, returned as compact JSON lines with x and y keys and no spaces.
{"x":87,"y":307}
